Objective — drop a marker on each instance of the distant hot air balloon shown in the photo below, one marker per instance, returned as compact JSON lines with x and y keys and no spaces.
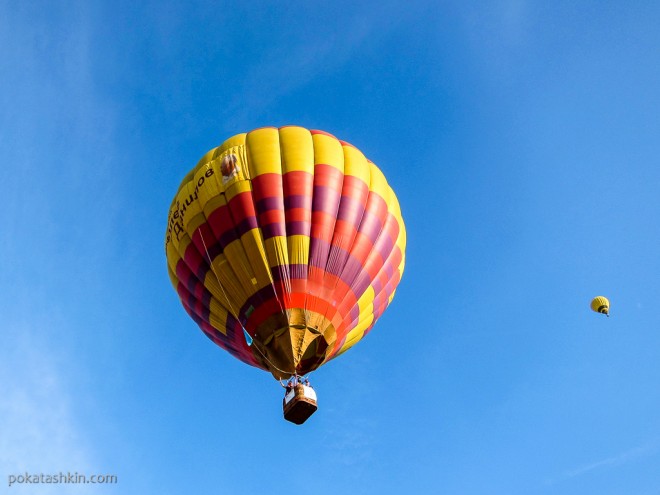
{"x":601,"y":304}
{"x":285,"y":246}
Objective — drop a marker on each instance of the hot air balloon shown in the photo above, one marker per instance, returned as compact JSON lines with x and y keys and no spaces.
{"x":285,"y":246}
{"x":601,"y":304}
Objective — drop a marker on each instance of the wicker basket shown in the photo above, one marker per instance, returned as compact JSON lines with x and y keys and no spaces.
{"x":299,"y":403}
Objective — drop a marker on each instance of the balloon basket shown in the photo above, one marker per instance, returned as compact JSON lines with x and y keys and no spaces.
{"x":299,"y":403}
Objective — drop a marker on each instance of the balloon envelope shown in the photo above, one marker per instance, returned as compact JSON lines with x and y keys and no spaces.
{"x":285,"y":246}
{"x":600,"y":304}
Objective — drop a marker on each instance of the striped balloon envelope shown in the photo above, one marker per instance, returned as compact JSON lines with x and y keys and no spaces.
{"x":285,"y":246}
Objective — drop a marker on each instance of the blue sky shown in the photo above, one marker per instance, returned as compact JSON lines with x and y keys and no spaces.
{"x":522,"y":141}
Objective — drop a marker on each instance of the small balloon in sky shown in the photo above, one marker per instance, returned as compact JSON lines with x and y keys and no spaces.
{"x":600,"y":304}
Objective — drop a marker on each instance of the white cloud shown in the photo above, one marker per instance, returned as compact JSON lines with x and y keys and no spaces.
{"x":283,"y":70}
{"x":57,"y":147}
{"x":39,"y":429}
{"x":628,"y":456}
{"x":617,"y":460}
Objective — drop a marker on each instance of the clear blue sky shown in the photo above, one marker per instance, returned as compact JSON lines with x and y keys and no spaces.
{"x":523,"y":140}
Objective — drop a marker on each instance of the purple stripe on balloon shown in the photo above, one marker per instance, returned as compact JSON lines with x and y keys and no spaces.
{"x":227,"y":237}
{"x":324,"y":246}
{"x":370,"y":226}
{"x":270,"y":203}
{"x":298,"y":271}
{"x":361,"y":284}
{"x":298,"y":228}
{"x":354,"y":313}
{"x":196,"y":262}
{"x":383,"y":295}
{"x":230,"y":325}
{"x":206,"y":298}
{"x":351,"y":270}
{"x":246,"y":226}
{"x":350,"y":210}
{"x":388,"y":270}
{"x":191,"y":284}
{"x":184,"y":294}
{"x":214,"y":250}
{"x":377,"y":285}
{"x":195,"y":310}
{"x":336,"y":260}
{"x":384,"y":246}
{"x":293,"y":272}
{"x":318,"y":252}
{"x":194,"y":286}
{"x":394,"y":281}
{"x":298,"y":201}
{"x":192,"y":315}
{"x":347,"y":273}
{"x":202,"y":270}
{"x":272,"y":230}
{"x":204,"y":312}
{"x":197,"y":290}
{"x":385,"y":300}
{"x":200,"y":293}
{"x":391,"y":229}
{"x":184,"y":274}
{"x":190,"y":301}
{"x":379,"y":311}
{"x":280,"y":275}
{"x":326,"y":200}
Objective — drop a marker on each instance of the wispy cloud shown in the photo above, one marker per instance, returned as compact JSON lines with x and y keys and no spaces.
{"x":280,"y":71}
{"x":40,"y":433}
{"x":56,"y":143}
{"x":625,"y":457}
{"x":617,"y":460}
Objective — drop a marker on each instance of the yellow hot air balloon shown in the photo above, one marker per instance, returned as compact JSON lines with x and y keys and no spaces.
{"x":285,"y":246}
{"x":601,"y":304}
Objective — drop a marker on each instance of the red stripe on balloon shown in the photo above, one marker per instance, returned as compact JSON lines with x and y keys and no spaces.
{"x":315,"y":131}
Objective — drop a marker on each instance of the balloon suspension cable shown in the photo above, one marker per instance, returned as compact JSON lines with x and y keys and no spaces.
{"x":271,"y":363}
{"x":217,"y":278}
{"x":233,"y":312}
{"x":298,"y":379}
